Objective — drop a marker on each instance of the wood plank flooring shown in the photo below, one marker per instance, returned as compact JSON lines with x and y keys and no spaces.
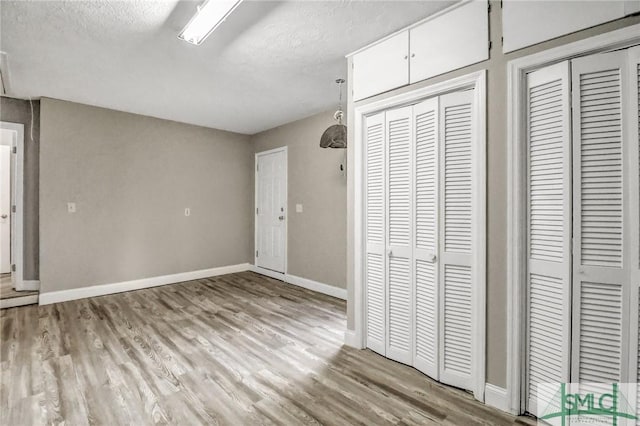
{"x":239,"y":349}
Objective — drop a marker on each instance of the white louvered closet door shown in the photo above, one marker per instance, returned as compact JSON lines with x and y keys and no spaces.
{"x":601,"y":220}
{"x":548,"y":231}
{"x":399,"y":131}
{"x":426,"y":239}
{"x":375,"y":234}
{"x":633,"y":157}
{"x":457,"y":128}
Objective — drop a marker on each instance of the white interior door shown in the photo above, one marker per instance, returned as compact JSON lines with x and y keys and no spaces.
{"x":5,"y":209}
{"x":400,"y":130}
{"x":601,"y":256}
{"x":375,"y":234}
{"x":425,"y":267}
{"x":271,"y":210}
{"x":457,"y":129}
{"x":548,"y":229}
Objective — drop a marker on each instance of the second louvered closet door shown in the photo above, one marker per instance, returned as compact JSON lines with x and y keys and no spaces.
{"x":601,"y":262}
{"x":583,"y":222}
{"x":399,"y":231}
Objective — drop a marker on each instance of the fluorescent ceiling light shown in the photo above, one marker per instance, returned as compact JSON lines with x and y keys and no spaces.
{"x":208,"y":17}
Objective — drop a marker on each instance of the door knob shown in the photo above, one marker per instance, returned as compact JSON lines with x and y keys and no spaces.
{"x":4,"y":216}
{"x":433,"y":258}
{"x":280,"y":217}
{"x":390,"y":253}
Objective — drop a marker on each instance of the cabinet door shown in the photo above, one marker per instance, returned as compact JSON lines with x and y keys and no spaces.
{"x":450,"y":41}
{"x":399,"y":232}
{"x":381,"y":67}
{"x":375,"y":224}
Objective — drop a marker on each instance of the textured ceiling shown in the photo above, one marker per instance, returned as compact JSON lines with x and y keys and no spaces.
{"x":270,"y":63}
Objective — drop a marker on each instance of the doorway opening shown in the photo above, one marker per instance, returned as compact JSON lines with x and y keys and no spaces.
{"x":14,"y":290}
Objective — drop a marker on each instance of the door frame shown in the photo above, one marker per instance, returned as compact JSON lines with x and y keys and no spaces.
{"x":517,"y":70}
{"x":17,"y":217}
{"x":285,"y":150}
{"x":476,"y":81}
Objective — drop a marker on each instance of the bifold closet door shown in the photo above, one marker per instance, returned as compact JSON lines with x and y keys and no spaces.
{"x":399,"y":130}
{"x":548,"y":228}
{"x":375,"y":233}
{"x":425,"y":268}
{"x":456,"y":166}
{"x":602,"y":219}
{"x":633,"y":174}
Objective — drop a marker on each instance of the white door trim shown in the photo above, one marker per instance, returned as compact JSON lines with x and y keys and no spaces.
{"x":477,"y":81}
{"x":516,"y":190}
{"x":286,"y":197}
{"x":17,"y":227}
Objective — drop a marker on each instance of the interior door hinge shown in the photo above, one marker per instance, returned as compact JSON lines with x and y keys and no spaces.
{"x":257,"y":210}
{"x":13,"y":209}
{"x":490,"y":44}
{"x":15,"y":150}
{"x":256,"y":253}
{"x":489,"y":7}
{"x":13,"y":267}
{"x":257,"y":167}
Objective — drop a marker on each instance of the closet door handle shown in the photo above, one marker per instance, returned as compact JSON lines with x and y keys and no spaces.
{"x":433,"y":258}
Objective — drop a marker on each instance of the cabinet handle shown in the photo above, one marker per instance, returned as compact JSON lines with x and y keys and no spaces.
{"x":413,"y":55}
{"x":405,"y":56}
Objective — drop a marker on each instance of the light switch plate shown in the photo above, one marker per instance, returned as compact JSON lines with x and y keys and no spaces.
{"x":71,"y":207}
{"x":298,"y":208}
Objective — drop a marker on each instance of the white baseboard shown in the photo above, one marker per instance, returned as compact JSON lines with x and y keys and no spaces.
{"x":30,"y":285}
{"x":352,"y":339}
{"x":496,"y":397}
{"x":18,"y":301}
{"x":104,"y":289}
{"x":327,"y":289}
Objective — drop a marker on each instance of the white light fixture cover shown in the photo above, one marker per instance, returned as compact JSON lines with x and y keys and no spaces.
{"x":209,"y":16}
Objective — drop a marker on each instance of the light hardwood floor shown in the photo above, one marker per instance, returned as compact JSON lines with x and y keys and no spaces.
{"x":239,"y":349}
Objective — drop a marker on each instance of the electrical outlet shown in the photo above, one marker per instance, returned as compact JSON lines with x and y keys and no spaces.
{"x":298,"y":208}
{"x":187,"y":211}
{"x":71,"y":207}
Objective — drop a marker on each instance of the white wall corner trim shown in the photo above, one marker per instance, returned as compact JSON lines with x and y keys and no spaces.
{"x":352,"y":339}
{"x":329,"y":290}
{"x":517,"y":70}
{"x":47,"y":298}
{"x":496,"y":397}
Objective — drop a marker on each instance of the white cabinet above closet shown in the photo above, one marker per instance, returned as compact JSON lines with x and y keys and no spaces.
{"x":452,"y":39}
{"x":383,"y":66}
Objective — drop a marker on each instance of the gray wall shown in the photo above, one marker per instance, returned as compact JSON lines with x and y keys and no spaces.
{"x":131,"y":177}
{"x":496,"y":181}
{"x":317,"y":237}
{"x":19,"y":111}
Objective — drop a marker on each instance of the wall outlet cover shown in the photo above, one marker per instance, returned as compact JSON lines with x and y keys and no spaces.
{"x":71,"y":207}
{"x":298,"y":208}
